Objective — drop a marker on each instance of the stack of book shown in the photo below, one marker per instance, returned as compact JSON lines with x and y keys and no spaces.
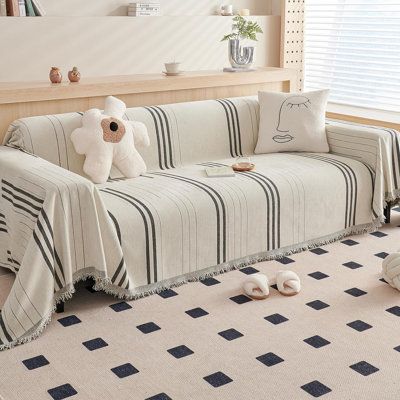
{"x":21,"y":8}
{"x":143,"y":9}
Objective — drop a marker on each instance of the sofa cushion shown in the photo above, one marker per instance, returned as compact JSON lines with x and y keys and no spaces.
{"x":180,"y":134}
{"x":292,"y":122}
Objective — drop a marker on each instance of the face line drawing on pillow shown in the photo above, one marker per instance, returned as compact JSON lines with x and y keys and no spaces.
{"x":298,"y":102}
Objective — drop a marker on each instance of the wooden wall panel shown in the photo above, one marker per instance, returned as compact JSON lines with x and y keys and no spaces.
{"x":292,"y":37}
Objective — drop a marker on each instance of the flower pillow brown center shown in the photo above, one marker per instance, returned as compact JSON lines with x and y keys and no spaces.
{"x":113,"y":129}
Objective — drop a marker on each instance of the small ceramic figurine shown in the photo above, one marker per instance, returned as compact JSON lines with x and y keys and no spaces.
{"x":55,"y":75}
{"x":74,"y":75}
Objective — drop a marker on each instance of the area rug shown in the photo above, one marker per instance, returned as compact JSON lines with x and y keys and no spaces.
{"x":338,"y":339}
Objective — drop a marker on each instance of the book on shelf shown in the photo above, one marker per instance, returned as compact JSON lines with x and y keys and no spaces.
{"x":30,"y":12}
{"x":21,"y":7}
{"x":12,"y":8}
{"x":3,"y":8}
{"x":143,"y":14}
{"x":38,"y":8}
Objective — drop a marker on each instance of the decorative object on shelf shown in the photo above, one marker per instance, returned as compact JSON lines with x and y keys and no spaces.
{"x":391,"y":270}
{"x":55,"y":75}
{"x":74,"y":75}
{"x":242,"y":57}
{"x":244,"y":12}
{"x":144,"y":9}
{"x":226,"y":10}
{"x":172,"y":69}
{"x":243,"y":164}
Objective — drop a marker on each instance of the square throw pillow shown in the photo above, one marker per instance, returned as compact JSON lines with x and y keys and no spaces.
{"x":292,"y":122}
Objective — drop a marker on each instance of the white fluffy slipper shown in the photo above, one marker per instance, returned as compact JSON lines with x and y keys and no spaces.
{"x":391,"y":270}
{"x":288,"y":283}
{"x":256,"y":286}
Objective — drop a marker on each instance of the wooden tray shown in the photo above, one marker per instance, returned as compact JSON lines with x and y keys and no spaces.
{"x":243,"y":167}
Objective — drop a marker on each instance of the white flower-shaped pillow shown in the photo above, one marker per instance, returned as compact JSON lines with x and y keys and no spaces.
{"x":106,"y":139}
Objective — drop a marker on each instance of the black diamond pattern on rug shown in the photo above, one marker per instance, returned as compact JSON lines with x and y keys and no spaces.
{"x":217,"y":379}
{"x":378,"y":234}
{"x":352,"y":265}
{"x":397,"y":348}
{"x":318,"y":251}
{"x":364,"y":368}
{"x":276,"y":319}
{"x":318,"y":275}
{"x":210,"y":281}
{"x":317,"y":305}
{"x":249,"y":270}
{"x":196,"y":312}
{"x":317,"y":341}
{"x":394,"y":310}
{"x":159,"y":396}
{"x":124,"y":370}
{"x":359,"y":325}
{"x":270,"y":359}
{"x":35,"y":362}
{"x":350,"y":242}
{"x":356,"y":292}
{"x":95,"y":344}
{"x":167,"y":293}
{"x":70,"y":320}
{"x":122,"y":306}
{"x":180,"y":351}
{"x":382,"y":255}
{"x":148,"y":327}
{"x":62,"y":392}
{"x":285,"y":260}
{"x":241,"y":299}
{"x":230,"y":334}
{"x":316,"y":388}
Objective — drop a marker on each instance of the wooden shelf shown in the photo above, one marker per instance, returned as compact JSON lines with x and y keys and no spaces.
{"x":19,"y":92}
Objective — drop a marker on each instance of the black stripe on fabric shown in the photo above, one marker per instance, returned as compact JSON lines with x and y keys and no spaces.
{"x":371,"y":172}
{"x":3,"y":230}
{"x":161,"y":151}
{"x":24,"y":192}
{"x":20,"y":199}
{"x":51,"y":250}
{"x":44,"y":255}
{"x":4,"y":329}
{"x":122,"y":280}
{"x":56,"y":256}
{"x":2,"y":215}
{"x":231,"y":138}
{"x":210,"y":191}
{"x":276,"y":203}
{"x":146,"y":229}
{"x":153,"y":228}
{"x":270,"y":209}
{"x":238,"y":134}
{"x":117,"y":228}
{"x":118,"y":270}
{"x":167,"y":126}
{"x":354,"y":188}
{"x":351,"y":195}
{"x":16,"y":205}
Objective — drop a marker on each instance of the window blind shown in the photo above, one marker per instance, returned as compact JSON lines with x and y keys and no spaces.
{"x":353,"y":48}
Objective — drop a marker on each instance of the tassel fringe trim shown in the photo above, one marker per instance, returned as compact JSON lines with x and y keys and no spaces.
{"x":104,"y":284}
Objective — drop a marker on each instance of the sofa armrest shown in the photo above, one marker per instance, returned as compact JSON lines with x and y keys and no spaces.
{"x":55,"y":230}
{"x":377,"y":147}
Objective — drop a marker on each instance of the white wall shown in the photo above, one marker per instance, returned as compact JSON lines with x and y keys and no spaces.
{"x":101,"y":46}
{"x":112,"y":45}
{"x":169,"y":7}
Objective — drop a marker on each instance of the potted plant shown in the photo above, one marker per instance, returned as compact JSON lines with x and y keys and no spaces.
{"x":242,"y":57}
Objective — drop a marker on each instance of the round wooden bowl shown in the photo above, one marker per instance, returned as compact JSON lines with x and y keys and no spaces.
{"x":243,"y":167}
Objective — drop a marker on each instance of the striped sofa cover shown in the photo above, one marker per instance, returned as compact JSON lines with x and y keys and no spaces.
{"x":173,"y":224}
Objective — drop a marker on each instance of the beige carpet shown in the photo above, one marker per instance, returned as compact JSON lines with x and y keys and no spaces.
{"x":337,"y":339}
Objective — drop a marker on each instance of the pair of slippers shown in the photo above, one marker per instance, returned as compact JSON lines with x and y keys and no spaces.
{"x":257,"y":285}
